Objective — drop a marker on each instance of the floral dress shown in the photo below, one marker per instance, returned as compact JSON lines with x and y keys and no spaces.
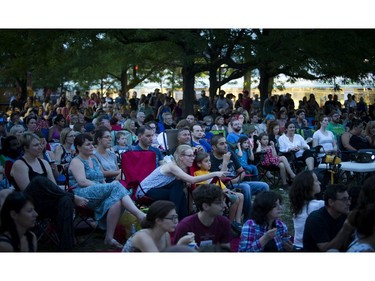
{"x":102,"y":196}
{"x":269,"y":159}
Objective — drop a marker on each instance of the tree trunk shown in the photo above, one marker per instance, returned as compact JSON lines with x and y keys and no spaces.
{"x":188,"y":81}
{"x":265,"y":85}
{"x":214,"y":85}
{"x":124,"y":81}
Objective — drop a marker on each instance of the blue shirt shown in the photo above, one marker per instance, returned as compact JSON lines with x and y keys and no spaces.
{"x":206,"y":146}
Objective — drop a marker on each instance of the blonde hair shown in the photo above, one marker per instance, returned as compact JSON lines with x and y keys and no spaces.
{"x":180,"y":150}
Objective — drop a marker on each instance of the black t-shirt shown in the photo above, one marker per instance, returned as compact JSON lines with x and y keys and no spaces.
{"x":320,"y":227}
{"x":233,"y":165}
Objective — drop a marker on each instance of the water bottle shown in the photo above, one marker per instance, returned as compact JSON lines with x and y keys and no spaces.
{"x":132,"y":229}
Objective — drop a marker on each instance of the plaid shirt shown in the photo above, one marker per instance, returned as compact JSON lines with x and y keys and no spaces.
{"x":252,"y":232}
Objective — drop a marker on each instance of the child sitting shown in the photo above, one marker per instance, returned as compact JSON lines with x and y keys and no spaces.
{"x":121,"y":145}
{"x":245,"y":153}
{"x":203,"y":162}
{"x":271,"y":158}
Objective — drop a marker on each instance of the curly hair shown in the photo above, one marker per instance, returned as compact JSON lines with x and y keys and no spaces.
{"x":264,"y":202}
{"x":301,"y":191}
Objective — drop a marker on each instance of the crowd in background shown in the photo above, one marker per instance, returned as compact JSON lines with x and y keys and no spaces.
{"x":229,"y":131}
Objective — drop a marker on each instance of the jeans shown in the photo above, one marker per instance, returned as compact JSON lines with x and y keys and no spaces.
{"x":253,"y":170}
{"x":173,"y":192}
{"x":250,"y":188}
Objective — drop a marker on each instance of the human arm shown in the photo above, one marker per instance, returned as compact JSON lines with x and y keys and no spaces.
{"x":340,"y":240}
{"x":78,"y":171}
{"x":239,"y":150}
{"x":345,"y":139}
{"x":20,"y":173}
{"x":274,"y":153}
{"x":254,"y":238}
{"x":58,"y":154}
{"x":175,"y":170}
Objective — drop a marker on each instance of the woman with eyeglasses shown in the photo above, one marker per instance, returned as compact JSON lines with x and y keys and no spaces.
{"x":106,"y":157}
{"x":161,"y":219}
{"x":167,"y":182}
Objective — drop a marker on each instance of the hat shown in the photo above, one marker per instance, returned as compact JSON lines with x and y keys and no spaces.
{"x":248,"y":128}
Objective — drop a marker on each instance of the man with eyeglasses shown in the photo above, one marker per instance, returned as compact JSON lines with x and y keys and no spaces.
{"x":209,"y":225}
{"x":327,"y":228}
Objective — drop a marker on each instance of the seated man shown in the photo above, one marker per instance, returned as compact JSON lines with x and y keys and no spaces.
{"x":145,"y":137}
{"x":223,"y":160}
{"x":209,"y":225}
{"x":327,"y":227}
{"x":197,"y":138}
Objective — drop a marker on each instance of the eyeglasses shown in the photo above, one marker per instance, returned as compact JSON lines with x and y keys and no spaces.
{"x":189,"y":155}
{"x":172,"y":218}
{"x":344,"y":199}
{"x":152,"y":127}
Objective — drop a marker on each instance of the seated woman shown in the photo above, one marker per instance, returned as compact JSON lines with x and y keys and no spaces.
{"x":293,"y":144}
{"x":34,"y":176}
{"x":354,"y":140}
{"x":302,"y":202}
{"x":161,"y":219}
{"x":370,"y":133}
{"x":18,"y":216}
{"x":264,"y":231}
{"x":59,"y":123}
{"x":65,"y":152}
{"x":324,"y":138}
{"x":106,"y":157}
{"x":166,"y":182}
{"x":106,"y":199}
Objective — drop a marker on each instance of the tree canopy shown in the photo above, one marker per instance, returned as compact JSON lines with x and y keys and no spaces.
{"x":129,"y":57}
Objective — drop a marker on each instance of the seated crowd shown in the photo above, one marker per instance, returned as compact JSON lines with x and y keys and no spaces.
{"x":205,"y":191}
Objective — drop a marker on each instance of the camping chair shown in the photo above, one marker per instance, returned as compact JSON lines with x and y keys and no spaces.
{"x":263,"y":170}
{"x":84,"y":218}
{"x":135,"y":167}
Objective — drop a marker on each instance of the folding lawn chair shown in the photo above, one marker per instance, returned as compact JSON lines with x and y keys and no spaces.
{"x":136,"y":166}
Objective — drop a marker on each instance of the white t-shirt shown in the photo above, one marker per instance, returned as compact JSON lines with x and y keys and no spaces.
{"x":324,"y":140}
{"x":285,"y":144}
{"x":299,"y":220}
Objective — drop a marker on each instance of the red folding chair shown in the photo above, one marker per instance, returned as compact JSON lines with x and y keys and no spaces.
{"x":136,"y":166}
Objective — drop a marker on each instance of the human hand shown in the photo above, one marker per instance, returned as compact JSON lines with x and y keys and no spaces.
{"x":270,"y":234}
{"x":272,"y":143}
{"x":226,"y":156}
{"x":186,"y":239}
{"x":287,"y":243}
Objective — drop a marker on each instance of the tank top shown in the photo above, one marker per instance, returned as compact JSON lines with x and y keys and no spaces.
{"x":6,"y":238}
{"x":32,"y":173}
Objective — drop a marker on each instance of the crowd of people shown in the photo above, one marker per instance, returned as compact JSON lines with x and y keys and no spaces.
{"x":210,"y":159}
